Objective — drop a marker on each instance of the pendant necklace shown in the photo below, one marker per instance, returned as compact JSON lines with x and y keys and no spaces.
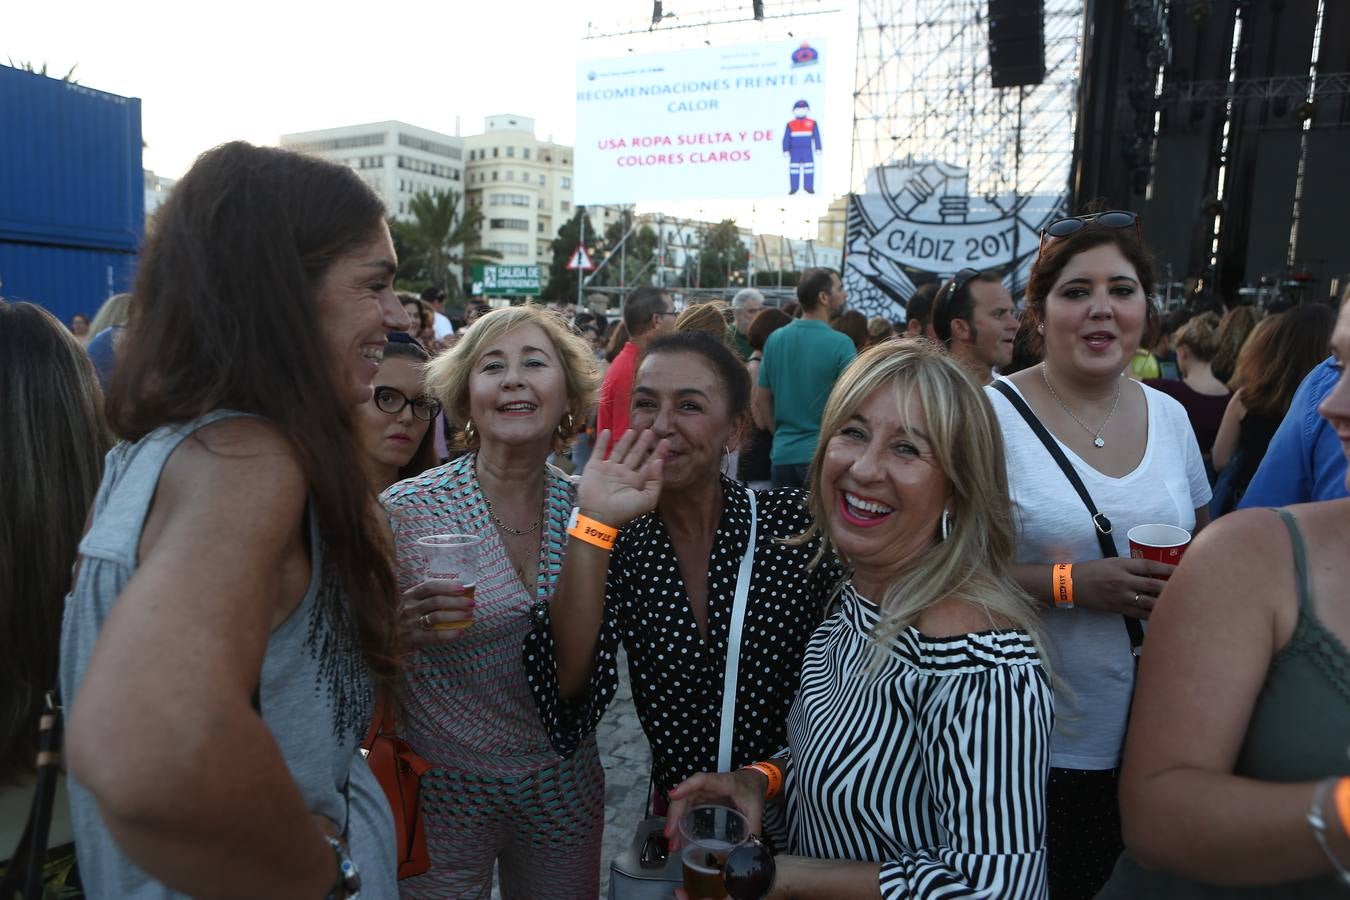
{"x":1097,"y":440}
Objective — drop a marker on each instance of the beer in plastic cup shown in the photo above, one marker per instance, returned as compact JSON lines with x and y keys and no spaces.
{"x":455,"y":557}
{"x":709,"y":834}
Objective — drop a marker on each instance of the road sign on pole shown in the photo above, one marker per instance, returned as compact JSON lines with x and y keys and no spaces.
{"x":580,"y":260}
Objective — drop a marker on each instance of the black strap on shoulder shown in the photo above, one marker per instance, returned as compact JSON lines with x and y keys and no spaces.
{"x":1101,"y":524}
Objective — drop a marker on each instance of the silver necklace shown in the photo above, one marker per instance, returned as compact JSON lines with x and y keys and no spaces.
{"x":1097,"y":440}
{"x":507,"y":528}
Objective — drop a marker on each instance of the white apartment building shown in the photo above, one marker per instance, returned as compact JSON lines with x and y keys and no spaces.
{"x":523,"y":186}
{"x":680,"y":241}
{"x":773,"y":252}
{"x":831,"y":228}
{"x":396,"y":159}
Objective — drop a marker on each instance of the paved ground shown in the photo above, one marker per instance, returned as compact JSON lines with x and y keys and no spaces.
{"x":627,"y":761}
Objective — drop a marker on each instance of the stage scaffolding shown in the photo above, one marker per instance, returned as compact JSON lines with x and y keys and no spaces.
{"x":924,"y":93}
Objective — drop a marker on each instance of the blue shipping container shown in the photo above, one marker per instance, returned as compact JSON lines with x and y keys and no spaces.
{"x":72,"y":192}
{"x":64,"y":280}
{"x":71,"y":173}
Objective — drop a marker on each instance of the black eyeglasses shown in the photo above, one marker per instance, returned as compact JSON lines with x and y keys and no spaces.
{"x":392,"y":400}
{"x":1115,"y":218}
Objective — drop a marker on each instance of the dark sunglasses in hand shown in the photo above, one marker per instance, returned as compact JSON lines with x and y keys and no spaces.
{"x":392,"y":400}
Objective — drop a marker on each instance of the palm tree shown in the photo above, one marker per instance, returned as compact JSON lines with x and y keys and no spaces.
{"x":442,"y":243}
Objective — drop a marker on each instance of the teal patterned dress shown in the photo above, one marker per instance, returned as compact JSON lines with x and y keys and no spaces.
{"x":499,"y":794}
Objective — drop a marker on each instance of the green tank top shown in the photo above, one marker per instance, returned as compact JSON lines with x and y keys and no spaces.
{"x":1299,"y":731}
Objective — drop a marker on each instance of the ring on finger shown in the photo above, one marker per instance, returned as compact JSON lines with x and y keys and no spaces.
{"x":424,"y":620}
{"x":1136,"y":600}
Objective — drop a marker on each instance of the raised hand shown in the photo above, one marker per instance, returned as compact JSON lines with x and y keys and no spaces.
{"x":619,"y":488}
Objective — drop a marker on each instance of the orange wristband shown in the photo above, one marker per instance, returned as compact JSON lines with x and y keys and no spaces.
{"x":1342,"y":795}
{"x":771,"y":772}
{"x":584,"y":528}
{"x":1061,"y":585}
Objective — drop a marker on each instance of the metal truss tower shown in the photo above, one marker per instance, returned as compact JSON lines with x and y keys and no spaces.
{"x":923,"y":93}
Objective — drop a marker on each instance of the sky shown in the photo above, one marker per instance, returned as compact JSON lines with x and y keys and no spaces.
{"x":210,"y":73}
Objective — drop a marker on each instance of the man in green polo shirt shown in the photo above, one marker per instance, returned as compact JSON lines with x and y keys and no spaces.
{"x":801,"y":362}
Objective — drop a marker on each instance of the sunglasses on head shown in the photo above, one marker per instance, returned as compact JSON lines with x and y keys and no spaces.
{"x":402,"y":337}
{"x":960,"y":280}
{"x":1115,"y":218}
{"x":952,"y":288}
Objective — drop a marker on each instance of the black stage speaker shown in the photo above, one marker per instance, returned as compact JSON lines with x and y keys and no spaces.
{"x":1016,"y":42}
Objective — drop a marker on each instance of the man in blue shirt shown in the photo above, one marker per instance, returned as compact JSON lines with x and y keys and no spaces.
{"x":1304,"y":461}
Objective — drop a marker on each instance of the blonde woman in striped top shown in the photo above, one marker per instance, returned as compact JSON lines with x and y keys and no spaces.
{"x":919,"y":743}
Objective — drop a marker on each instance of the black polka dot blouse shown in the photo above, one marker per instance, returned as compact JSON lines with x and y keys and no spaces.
{"x":676,"y":676}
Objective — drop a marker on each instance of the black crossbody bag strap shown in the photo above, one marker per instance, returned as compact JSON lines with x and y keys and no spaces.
{"x":25,"y":871}
{"x":1100,"y":523}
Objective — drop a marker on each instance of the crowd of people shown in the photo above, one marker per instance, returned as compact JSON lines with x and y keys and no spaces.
{"x":873,"y":583}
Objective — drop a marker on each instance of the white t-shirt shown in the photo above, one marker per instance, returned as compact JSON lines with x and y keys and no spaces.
{"x":442,"y":328}
{"x":1090,"y":649}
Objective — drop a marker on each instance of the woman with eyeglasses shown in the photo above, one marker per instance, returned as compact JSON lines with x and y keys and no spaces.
{"x":1132,"y":448}
{"x":394,"y":427}
{"x":497,"y":796}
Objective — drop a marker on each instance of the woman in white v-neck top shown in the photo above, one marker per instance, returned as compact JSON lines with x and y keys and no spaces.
{"x":1133,"y":448}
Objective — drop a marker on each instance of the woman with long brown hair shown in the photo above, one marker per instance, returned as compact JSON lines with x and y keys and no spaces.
{"x":1281,"y":351}
{"x":1234,"y":329}
{"x":234,"y":602}
{"x":53,"y":453}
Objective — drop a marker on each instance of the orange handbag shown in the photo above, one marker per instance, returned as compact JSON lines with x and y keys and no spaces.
{"x":399,"y":771}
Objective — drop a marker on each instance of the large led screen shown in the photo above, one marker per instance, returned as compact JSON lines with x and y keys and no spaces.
{"x":720,"y":122}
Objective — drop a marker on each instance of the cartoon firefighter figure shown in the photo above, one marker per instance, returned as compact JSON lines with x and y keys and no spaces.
{"x":801,"y":143}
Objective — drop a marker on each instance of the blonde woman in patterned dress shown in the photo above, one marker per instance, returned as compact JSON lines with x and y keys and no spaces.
{"x":518,"y":382}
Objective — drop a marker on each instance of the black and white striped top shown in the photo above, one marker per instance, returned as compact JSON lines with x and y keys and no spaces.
{"x":934,"y":765}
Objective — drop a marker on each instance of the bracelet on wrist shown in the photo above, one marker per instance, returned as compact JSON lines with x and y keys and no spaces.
{"x":348,"y":882}
{"x":1061,"y":585}
{"x":1318,"y":821}
{"x":584,"y":528}
{"x":774,"y":773}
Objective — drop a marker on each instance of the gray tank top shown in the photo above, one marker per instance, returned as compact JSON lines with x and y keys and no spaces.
{"x":1298,"y":732}
{"x":314,"y":691}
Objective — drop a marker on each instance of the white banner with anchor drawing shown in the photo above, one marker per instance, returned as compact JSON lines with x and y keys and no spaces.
{"x":919,"y":222}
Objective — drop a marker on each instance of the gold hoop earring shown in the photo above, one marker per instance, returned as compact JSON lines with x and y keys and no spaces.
{"x":566,"y":425}
{"x":469,"y":432}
